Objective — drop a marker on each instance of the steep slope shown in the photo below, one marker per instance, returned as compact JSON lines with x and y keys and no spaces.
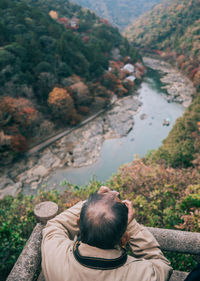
{"x":53,"y":58}
{"x":172,"y":30}
{"x":118,"y":12}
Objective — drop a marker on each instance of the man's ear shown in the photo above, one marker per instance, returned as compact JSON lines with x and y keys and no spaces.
{"x":78,"y":221}
{"x":125,"y":239}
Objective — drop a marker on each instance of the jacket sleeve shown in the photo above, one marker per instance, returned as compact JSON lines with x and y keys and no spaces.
{"x":145,"y":246}
{"x":57,"y":240}
{"x":64,"y":225}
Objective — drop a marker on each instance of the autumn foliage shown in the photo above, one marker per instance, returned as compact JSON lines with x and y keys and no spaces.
{"x":19,"y":143}
{"x":171,"y":30}
{"x":196,"y":78}
{"x":47,"y":65}
{"x":17,"y":111}
{"x":61,"y":104}
{"x":18,"y":119}
{"x":81,"y":93}
{"x":110,"y":81}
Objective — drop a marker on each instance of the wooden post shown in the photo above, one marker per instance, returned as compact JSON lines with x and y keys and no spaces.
{"x":28,"y":265}
{"x":45,"y":211}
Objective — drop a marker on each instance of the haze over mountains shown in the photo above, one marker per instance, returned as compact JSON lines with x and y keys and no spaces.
{"x":118,"y":12}
{"x":171,"y":29}
{"x":54,"y":59}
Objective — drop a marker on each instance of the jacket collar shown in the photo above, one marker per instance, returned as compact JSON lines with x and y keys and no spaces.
{"x":100,"y":263}
{"x":90,"y":251}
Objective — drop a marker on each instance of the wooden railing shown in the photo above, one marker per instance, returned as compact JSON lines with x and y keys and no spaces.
{"x":28,"y":265}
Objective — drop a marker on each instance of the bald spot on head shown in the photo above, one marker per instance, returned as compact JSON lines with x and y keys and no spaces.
{"x":103,"y":220}
{"x":100,"y":210}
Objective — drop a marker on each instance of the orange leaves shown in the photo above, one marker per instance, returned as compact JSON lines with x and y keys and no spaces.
{"x":29,"y":110}
{"x":117,"y":65}
{"x":58,"y":96}
{"x":180,"y":59}
{"x":121,"y":90}
{"x":72,"y":202}
{"x":110,"y":81}
{"x":142,"y":178}
{"x":198,"y":126}
{"x":17,"y":111}
{"x":17,"y":117}
{"x":190,"y":221}
{"x":61,"y":103}
{"x":53,"y":15}
{"x":128,"y":85}
{"x":27,"y":116}
{"x":161,"y":196}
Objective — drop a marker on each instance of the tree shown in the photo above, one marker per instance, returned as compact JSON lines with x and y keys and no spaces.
{"x":19,"y":143}
{"x":61,"y":104}
{"x":110,"y":81}
{"x":6,"y":58}
{"x":196,"y":79}
{"x":81,"y":93}
{"x":18,"y":112}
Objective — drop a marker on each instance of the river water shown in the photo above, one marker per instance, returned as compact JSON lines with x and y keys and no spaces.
{"x":147,"y":134}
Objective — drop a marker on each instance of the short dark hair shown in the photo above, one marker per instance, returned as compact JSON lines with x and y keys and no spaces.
{"x":103,"y":221}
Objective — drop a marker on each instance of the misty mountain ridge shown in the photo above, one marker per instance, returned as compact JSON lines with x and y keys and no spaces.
{"x":120,"y":13}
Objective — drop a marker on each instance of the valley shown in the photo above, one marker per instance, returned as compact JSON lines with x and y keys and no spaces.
{"x":118,"y":130}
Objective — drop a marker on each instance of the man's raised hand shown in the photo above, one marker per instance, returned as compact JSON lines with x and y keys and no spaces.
{"x":131,"y":211}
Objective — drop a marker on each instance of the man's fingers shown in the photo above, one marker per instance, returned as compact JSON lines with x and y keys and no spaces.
{"x":127,"y":203}
{"x":103,"y":189}
{"x":130,"y":210}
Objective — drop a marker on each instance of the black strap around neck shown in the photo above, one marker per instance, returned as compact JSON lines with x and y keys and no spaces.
{"x":99,"y":263}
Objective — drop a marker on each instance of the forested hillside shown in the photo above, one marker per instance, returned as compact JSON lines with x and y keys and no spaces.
{"x":118,"y":12}
{"x":171,"y":29}
{"x":53,"y":62}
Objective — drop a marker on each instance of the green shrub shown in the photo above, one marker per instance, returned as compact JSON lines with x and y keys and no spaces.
{"x":165,"y":198}
{"x":17,"y":222}
{"x":190,"y":201}
{"x":181,"y":146}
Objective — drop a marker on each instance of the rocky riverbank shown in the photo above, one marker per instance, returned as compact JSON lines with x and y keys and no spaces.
{"x":82,"y":146}
{"x":79,"y":148}
{"x":179,"y":88}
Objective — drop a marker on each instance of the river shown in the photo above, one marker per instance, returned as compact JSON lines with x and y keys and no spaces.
{"x":133,"y":126}
{"x":147,"y":134}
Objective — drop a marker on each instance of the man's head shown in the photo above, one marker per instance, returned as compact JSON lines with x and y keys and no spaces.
{"x":103,"y":220}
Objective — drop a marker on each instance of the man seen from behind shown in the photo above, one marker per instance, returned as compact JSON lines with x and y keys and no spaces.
{"x":87,"y":242}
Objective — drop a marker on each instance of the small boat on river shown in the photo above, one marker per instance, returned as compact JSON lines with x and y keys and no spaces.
{"x":166,"y":122}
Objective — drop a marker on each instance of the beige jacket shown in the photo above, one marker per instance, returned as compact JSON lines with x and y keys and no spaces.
{"x":59,"y":264}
